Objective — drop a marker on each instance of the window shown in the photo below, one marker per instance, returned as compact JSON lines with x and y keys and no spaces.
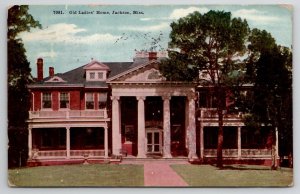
{"x":89,"y":101}
{"x":102,"y":98}
{"x":46,"y":103}
{"x":92,"y":75}
{"x":210,"y":137}
{"x":64,"y":100}
{"x":100,"y":75}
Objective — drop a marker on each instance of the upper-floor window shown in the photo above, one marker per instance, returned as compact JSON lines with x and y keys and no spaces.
{"x":96,"y":75}
{"x":89,"y":101}
{"x":102,"y":100}
{"x":100,"y":75}
{"x":46,"y":101}
{"x":92,"y":75}
{"x":64,"y":100}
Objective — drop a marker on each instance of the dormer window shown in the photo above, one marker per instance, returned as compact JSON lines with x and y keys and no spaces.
{"x":100,"y":75}
{"x":96,"y":71}
{"x":92,"y":75}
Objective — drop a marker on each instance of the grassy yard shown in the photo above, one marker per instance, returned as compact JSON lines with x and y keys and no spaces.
{"x":78,"y":175}
{"x":234,"y":175}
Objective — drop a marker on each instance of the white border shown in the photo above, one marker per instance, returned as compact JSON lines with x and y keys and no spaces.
{"x":3,"y":101}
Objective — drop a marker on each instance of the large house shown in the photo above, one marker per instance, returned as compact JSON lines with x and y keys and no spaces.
{"x":106,"y":111}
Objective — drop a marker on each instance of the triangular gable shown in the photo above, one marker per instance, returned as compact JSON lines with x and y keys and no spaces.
{"x":96,"y":65}
{"x":56,"y":79}
{"x":143,"y":73}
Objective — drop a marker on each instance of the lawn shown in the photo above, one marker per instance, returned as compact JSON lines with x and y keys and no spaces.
{"x":234,"y":175}
{"x":78,"y":175}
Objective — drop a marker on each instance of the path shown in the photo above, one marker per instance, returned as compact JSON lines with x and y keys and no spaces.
{"x":160,"y":174}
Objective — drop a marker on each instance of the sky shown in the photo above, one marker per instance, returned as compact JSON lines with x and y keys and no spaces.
{"x":69,"y":38}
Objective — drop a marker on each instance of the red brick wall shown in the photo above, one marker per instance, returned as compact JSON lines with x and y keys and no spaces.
{"x":75,"y":100}
{"x":37,"y":100}
{"x":55,"y":100}
{"x":96,"y":100}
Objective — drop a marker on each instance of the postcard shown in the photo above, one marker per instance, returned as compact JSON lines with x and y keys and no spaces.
{"x":150,"y":95}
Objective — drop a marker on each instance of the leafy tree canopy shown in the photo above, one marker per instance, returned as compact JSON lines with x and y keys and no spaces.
{"x":214,"y":42}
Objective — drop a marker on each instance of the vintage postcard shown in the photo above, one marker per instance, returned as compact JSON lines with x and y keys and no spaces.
{"x":150,"y":95}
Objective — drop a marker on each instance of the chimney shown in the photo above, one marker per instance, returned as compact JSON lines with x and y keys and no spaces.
{"x":152,"y":56}
{"x":40,"y":63}
{"x":51,"y":71}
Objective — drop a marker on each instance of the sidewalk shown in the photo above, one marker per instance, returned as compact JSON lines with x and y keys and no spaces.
{"x":159,"y":174}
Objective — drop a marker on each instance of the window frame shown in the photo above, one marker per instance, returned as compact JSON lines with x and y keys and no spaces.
{"x":93,"y":96}
{"x":68,"y":104}
{"x":42,"y":101}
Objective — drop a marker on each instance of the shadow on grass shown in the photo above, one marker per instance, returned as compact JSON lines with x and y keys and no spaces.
{"x":243,"y":167}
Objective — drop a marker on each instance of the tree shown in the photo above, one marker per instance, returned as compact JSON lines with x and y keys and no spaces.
{"x":212,"y":43}
{"x":19,"y":76}
{"x":270,"y":70}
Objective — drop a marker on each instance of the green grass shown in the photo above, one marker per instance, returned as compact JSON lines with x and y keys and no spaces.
{"x":234,"y":175}
{"x":78,"y":175}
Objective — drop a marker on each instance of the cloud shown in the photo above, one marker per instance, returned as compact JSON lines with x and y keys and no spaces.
{"x":157,"y":27}
{"x":50,"y":54}
{"x":66,"y":33}
{"x":255,"y":15}
{"x":178,"y":13}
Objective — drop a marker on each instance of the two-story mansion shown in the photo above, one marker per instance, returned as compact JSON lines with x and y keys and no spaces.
{"x":100,"y":111}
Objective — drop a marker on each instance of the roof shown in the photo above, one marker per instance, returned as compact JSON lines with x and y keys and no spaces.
{"x":76,"y":77}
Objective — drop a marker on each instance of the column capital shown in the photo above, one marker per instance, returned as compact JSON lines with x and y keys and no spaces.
{"x":191,"y":96}
{"x":141,"y":97}
{"x":115,"y":97}
{"x":166,"y":97}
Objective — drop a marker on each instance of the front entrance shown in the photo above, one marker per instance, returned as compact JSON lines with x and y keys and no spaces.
{"x":154,"y":142}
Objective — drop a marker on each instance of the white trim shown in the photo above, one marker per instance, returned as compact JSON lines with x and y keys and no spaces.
{"x":32,"y":101}
{"x":59,"y":79}
{"x":129,"y":71}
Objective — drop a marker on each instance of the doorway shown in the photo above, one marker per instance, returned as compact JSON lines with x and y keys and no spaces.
{"x":154,"y":141}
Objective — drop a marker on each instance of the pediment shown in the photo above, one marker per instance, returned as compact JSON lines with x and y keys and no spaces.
{"x":96,"y":65}
{"x":144,"y":73}
{"x":56,"y":79}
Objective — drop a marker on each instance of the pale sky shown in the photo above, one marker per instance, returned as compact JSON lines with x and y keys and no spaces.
{"x":70,"y":40}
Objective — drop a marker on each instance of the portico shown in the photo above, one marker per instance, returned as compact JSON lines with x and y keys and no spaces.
{"x":153,"y":134}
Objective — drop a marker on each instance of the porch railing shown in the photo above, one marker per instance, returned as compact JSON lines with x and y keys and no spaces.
{"x":102,"y":113}
{"x":213,"y":113}
{"x":63,"y":153}
{"x":245,"y":153}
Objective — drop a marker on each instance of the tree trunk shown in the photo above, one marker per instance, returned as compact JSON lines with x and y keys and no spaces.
{"x":274,"y":150}
{"x":220,"y":139}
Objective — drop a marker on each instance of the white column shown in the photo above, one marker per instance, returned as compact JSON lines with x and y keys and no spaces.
{"x":167,"y":128}
{"x":201,"y":142}
{"x":239,"y":142}
{"x":192,"y":128}
{"x":105,"y":142}
{"x":29,"y":142}
{"x":187,"y":125}
{"x":68,"y":141}
{"x":116,"y":129}
{"x":141,"y":127}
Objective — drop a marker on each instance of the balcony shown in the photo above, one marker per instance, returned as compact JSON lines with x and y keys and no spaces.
{"x":213,"y":113}
{"x":68,"y":114}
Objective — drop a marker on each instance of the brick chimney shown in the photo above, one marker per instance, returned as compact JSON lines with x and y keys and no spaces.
{"x":51,"y":71}
{"x":40,"y":64}
{"x":152,"y":56}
